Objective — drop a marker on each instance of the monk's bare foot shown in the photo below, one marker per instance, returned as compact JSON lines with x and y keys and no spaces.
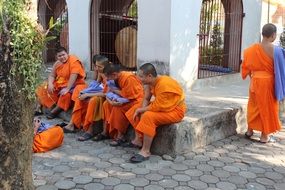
{"x":137,"y":143}
{"x":69,"y":128}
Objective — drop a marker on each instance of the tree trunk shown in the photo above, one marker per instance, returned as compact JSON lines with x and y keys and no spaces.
{"x":15,"y":124}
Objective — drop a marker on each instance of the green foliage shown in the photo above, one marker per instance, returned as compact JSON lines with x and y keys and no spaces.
{"x":216,"y":37}
{"x":27,"y":43}
{"x":212,"y":56}
{"x":282,"y":39}
{"x":133,"y":9}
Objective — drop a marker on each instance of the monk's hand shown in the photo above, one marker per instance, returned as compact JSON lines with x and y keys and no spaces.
{"x":50,"y":88}
{"x":64,"y":91}
{"x":113,"y":103}
{"x":138,"y":113}
{"x":83,"y":96}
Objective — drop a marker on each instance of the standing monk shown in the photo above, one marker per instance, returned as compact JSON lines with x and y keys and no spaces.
{"x":88,"y":105}
{"x":167,"y":107}
{"x":66,"y":74}
{"x":262,"y":109}
{"x":131,"y":88}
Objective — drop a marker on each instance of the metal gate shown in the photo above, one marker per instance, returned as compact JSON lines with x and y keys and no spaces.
{"x":114,"y":31}
{"x":55,"y":10}
{"x":220,"y":37}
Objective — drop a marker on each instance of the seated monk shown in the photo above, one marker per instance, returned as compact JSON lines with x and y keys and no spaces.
{"x":115,"y":121}
{"x":67,"y":73}
{"x":167,"y":107}
{"x":46,"y":136}
{"x":88,"y":105}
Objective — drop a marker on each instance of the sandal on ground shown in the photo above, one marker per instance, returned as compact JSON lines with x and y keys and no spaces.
{"x":138,"y":158}
{"x":131,"y":145}
{"x":61,"y":124}
{"x":247,"y":135}
{"x":100,"y":137}
{"x":117,"y":142}
{"x":270,"y":140}
{"x":86,"y":136}
{"x":65,"y":130}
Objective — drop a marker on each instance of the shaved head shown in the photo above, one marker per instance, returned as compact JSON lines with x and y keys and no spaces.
{"x":148,"y":68}
{"x":268,"y":30}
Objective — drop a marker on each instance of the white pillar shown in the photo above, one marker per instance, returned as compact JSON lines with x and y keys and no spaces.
{"x":79,"y":30}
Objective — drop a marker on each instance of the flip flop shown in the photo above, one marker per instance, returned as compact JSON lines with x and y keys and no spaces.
{"x":51,"y":116}
{"x":100,"y":137}
{"x":61,"y":124}
{"x":85,"y":137}
{"x":131,"y":145}
{"x":138,"y":158}
{"x":117,"y":142}
{"x":270,"y":140}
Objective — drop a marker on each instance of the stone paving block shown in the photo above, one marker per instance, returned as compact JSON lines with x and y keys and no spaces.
{"x":82,"y":179}
{"x":124,"y":175}
{"x":256,"y":170}
{"x":47,"y":187}
{"x":102,"y":164}
{"x":168,"y":183}
{"x":183,"y":188}
{"x":139,"y":182}
{"x":195,"y":184}
{"x":201,"y":158}
{"x":179,"y":167}
{"x":226,"y":186}
{"x":193,"y":172}
{"x":99,"y":174}
{"x":61,"y":168}
{"x":93,"y":186}
{"x":190,"y":162}
{"x":273,"y":175}
{"x":166,"y":171}
{"x":65,"y":184}
{"x":117,"y":160}
{"x":153,"y":187}
{"x":181,"y":177}
{"x":205,"y":167}
{"x":216,"y":163}
{"x":247,"y":174}
{"x":124,"y":187}
{"x":44,"y":173}
{"x":71,"y":174}
{"x":111,"y":181}
{"x":209,"y":179}
{"x":231,"y":169}
{"x":39,"y":182}
{"x":238,"y":180}
{"x":221,"y":173}
{"x":279,"y":169}
{"x":141,"y":171}
{"x":255,"y":186}
{"x":179,"y":159}
{"x":154,"y":177}
{"x":279,"y":186}
{"x":226,"y":160}
{"x":265,"y":181}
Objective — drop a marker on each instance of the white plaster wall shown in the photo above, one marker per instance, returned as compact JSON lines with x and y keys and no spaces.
{"x":79,"y":29}
{"x":184,"y":48}
{"x":251,"y":22}
{"x":153,"y":30}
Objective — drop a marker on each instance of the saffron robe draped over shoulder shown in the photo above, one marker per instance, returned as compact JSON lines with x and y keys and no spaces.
{"x":62,"y":74}
{"x":114,"y":116}
{"x":262,"y":109}
{"x":48,"y":139}
{"x":168,"y":107}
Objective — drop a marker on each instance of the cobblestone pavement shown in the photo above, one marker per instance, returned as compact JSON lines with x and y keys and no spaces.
{"x":232,"y":163}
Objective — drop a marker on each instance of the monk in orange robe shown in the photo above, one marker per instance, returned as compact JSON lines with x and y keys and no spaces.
{"x":167,"y":107}
{"x":67,"y":73}
{"x":88,"y":106}
{"x":46,"y":137}
{"x":115,"y":121}
{"x":262,"y":109}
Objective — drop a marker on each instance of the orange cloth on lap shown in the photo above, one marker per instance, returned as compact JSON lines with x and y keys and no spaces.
{"x":114,"y":116}
{"x":168,"y":107}
{"x":48,"y":140}
{"x":62,"y":72}
{"x":262,"y":109}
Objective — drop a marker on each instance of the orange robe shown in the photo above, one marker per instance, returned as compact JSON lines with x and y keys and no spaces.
{"x":48,"y":140}
{"x":168,"y":107}
{"x":87,"y":111}
{"x":114,"y":116}
{"x":62,"y":75}
{"x":262,"y":109}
